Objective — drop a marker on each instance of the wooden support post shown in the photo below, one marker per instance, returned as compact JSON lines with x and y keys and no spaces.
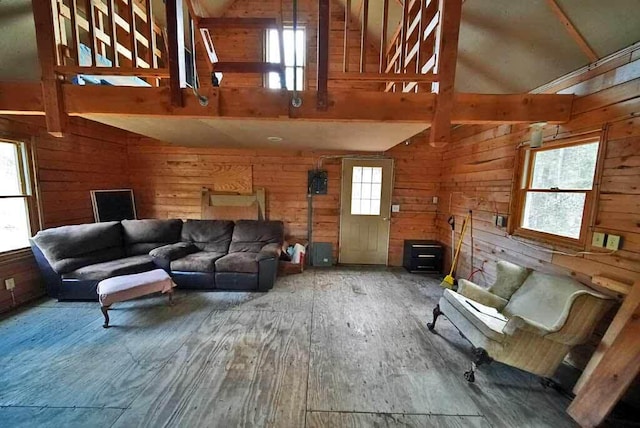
{"x":175,"y":43}
{"x":447,"y":56}
{"x":324,"y":21}
{"x":383,"y":36}
{"x":616,"y":365}
{"x":46,"y":24}
{"x":403,"y":34}
{"x":152,"y":37}
{"x":347,"y":28}
{"x":573,"y":31}
{"x":92,"y":31}
{"x":363,"y":36}
{"x":132,"y":37}
{"x":113,"y":36}
{"x":74,"y":32}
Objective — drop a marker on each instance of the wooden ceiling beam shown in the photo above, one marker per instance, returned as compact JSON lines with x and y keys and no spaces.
{"x":237,"y":23}
{"x":251,"y":103}
{"x":573,"y":31}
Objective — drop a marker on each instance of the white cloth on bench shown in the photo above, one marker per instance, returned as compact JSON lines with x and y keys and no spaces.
{"x":127,"y":287}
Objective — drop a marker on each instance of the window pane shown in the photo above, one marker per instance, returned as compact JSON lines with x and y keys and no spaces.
{"x":366,"y":190}
{"x":356,"y":191}
{"x":375,"y":207}
{"x":357,"y":174}
{"x":273,"y":46}
{"x":355,"y":206}
{"x":377,"y":175}
{"x":376,"y":191}
{"x":366,"y":174}
{"x":556,"y":213}
{"x":365,"y":207}
{"x":274,"y":81}
{"x":14,"y":224}
{"x":565,"y":168}
{"x":9,"y":172}
{"x":300,"y":81}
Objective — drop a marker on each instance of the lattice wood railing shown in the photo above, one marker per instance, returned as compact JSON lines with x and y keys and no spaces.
{"x":109,"y":37}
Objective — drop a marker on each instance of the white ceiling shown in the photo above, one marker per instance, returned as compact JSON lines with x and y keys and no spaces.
{"x":295,"y":134}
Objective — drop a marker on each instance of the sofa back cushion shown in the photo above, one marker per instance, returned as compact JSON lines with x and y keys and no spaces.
{"x":509,"y":277}
{"x":252,"y":235}
{"x":546,"y":299}
{"x":142,"y":236}
{"x":68,"y":248}
{"x":208,"y":235}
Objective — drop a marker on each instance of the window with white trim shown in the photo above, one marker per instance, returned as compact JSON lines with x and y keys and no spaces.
{"x":291,"y":44}
{"x":366,"y":190}
{"x":556,"y":190}
{"x":15,"y":194}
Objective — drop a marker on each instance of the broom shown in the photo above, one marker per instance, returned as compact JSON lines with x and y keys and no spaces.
{"x":448,"y":280}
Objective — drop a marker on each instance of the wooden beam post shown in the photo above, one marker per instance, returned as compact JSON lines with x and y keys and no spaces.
{"x":450,"y":14}
{"x":573,"y":31}
{"x":616,"y":367}
{"x":383,"y":36}
{"x":48,"y":56}
{"x":363,"y":36}
{"x":175,"y":43}
{"x":324,"y":21}
{"x":347,"y":29}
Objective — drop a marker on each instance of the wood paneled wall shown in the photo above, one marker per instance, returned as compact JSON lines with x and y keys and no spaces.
{"x":92,"y":156}
{"x":478,"y":168}
{"x":248,"y":45}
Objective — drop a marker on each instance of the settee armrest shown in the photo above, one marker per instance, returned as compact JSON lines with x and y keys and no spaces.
{"x":481,"y":295}
{"x":269,"y":251}
{"x":167,"y":253}
{"x":520,"y":323}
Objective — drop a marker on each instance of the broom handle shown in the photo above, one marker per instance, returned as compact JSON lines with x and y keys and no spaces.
{"x":455,"y":259}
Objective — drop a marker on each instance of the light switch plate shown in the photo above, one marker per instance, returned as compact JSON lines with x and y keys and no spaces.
{"x":598,"y":239}
{"x":395,"y":208}
{"x":10,"y":284}
{"x":613,"y":242}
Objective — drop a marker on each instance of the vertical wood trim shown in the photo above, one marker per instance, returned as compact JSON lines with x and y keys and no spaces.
{"x":363,"y":36}
{"x":403,"y":35}
{"x":132,"y":37}
{"x":113,"y":38}
{"x":92,"y":35}
{"x":74,"y":32}
{"x":324,"y":22}
{"x":450,"y":14}
{"x":48,"y":56}
{"x":573,"y":31}
{"x":175,"y":44}
{"x":152,"y":37}
{"x":383,"y":35}
{"x":347,"y":28}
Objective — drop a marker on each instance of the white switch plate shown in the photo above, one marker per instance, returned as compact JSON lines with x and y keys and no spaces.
{"x":395,"y":208}
{"x":598,"y":239}
{"x":613,"y":242}
{"x":10,"y":283}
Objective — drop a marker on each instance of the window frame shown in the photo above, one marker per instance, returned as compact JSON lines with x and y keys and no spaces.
{"x":523,"y":178}
{"x":303,"y":66}
{"x":27,"y":177}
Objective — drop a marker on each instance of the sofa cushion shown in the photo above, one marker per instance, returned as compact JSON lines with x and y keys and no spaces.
{"x":251,"y":235}
{"x":142,"y":236}
{"x":485,"y":318}
{"x":509,"y":278}
{"x":70,"y":247}
{"x":242,"y":262}
{"x":208,"y":235}
{"x":202,"y":261}
{"x":100,"y":271}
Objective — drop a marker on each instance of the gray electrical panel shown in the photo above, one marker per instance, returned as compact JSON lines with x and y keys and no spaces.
{"x":322,"y":254}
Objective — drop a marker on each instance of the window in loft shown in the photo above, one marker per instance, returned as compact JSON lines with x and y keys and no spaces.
{"x":291,"y":45}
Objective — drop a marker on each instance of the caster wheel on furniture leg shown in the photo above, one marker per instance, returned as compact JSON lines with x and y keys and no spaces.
{"x":469,"y":376}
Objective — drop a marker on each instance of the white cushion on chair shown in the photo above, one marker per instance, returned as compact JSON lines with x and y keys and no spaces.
{"x":488,"y":320}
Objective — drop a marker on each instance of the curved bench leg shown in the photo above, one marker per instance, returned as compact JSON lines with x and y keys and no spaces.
{"x":436,"y":314}
{"x":105,"y":312}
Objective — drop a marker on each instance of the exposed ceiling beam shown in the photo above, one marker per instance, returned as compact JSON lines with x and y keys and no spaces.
{"x":256,"y":103}
{"x":573,"y":31}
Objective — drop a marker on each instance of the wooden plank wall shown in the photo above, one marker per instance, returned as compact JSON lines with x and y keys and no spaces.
{"x":478,"y":167}
{"x":247,"y":45}
{"x":92,"y":156}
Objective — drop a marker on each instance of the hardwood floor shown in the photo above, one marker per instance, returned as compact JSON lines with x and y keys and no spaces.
{"x":327,"y":348}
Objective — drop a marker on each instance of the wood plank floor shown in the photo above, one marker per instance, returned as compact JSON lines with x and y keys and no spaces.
{"x":344,"y":347}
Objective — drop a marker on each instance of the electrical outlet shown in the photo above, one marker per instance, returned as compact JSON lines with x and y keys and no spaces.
{"x":435,"y":199}
{"x":10,"y":284}
{"x":598,"y":239}
{"x":395,"y":208}
{"x":501,"y":221}
{"x":613,"y":242}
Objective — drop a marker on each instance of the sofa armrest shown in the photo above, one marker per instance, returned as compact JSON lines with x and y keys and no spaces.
{"x":520,"y":323}
{"x":481,"y":295}
{"x":174,"y":251}
{"x":269,"y":251}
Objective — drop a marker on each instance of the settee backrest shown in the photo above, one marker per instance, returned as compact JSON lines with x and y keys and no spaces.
{"x":208,"y":235}
{"x":547,"y":299}
{"x":251,"y":235}
{"x":67,"y":248}
{"x":142,"y":236}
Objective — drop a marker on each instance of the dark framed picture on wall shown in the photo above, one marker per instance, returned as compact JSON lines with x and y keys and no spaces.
{"x":113,"y":205}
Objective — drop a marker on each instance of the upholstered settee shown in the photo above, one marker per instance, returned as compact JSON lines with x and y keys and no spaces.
{"x":203,"y":254}
{"x":526,"y":319}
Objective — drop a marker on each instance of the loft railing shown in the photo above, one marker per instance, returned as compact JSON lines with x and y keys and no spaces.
{"x":408,"y":61}
{"x":109,"y":37}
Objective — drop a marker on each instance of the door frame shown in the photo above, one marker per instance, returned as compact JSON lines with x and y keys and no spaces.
{"x":342,"y":184}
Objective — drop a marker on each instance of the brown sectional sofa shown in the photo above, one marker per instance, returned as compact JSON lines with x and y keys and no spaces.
{"x":199,"y":254}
